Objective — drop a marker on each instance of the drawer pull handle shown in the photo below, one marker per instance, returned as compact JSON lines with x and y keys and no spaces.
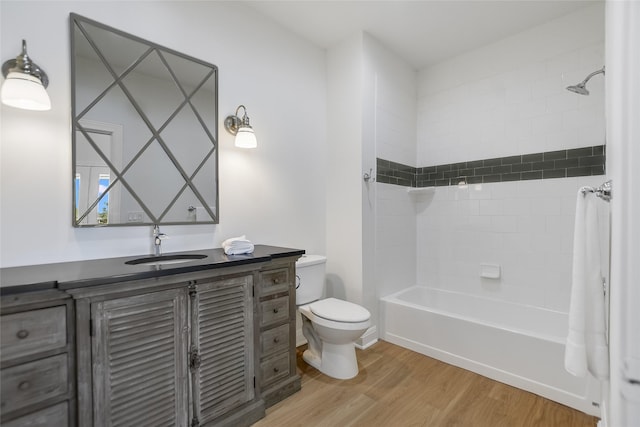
{"x":22,"y":334}
{"x":276,"y":369}
{"x":276,"y":340}
{"x":276,"y":280}
{"x":24,"y":385}
{"x":275,"y":310}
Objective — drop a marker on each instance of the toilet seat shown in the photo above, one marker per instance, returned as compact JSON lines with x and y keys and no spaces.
{"x":307,"y":311}
{"x":339,"y":311}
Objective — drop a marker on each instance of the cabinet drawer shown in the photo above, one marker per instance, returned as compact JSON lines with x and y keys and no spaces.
{"x":275,"y":280}
{"x":274,"y":310}
{"x":275,"y":368}
{"x":53,"y":416}
{"x":274,"y":340}
{"x":33,"y":382}
{"x":34,"y":331}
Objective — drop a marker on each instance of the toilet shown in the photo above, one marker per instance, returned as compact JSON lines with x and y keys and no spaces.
{"x":331,"y":326}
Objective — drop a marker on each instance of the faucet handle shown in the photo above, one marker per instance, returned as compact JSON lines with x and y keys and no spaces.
{"x":157,"y":233}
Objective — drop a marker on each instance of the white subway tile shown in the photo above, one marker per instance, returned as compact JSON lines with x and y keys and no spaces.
{"x":516,"y":206}
{"x":560,"y":64}
{"x":563,"y":140}
{"x":532,"y":108}
{"x":547,"y":123}
{"x":592,"y":57}
{"x":531,"y":224}
{"x":491,"y":207}
{"x":562,"y":102}
{"x":547,"y":86}
{"x":547,"y":206}
{"x":504,"y":224}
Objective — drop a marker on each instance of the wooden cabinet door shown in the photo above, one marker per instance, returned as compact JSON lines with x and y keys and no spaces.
{"x":222,"y":335}
{"x":140,"y":371}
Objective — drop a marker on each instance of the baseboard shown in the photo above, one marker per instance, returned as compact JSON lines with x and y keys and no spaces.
{"x":604,"y":415}
{"x":367,"y":339}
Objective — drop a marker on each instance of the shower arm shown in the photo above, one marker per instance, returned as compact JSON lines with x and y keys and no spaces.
{"x":592,"y":74}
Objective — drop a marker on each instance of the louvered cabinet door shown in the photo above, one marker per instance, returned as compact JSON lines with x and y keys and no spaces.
{"x":223,"y":331}
{"x":140,"y":371}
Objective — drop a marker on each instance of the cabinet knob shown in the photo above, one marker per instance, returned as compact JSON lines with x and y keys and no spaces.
{"x":22,"y":334}
{"x":276,"y":280}
{"x":276,"y":340}
{"x":275,"y":310}
{"x":24,"y":385}
{"x":276,"y":369}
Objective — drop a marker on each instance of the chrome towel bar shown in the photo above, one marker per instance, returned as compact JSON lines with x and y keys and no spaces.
{"x":604,"y":191}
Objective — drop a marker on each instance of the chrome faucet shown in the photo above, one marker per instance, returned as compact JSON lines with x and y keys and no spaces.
{"x":157,"y":240}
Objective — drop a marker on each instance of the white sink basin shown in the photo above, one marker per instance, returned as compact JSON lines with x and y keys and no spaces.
{"x":165,"y":259}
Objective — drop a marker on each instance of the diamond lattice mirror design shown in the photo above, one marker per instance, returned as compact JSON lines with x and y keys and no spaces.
{"x":144,"y":131}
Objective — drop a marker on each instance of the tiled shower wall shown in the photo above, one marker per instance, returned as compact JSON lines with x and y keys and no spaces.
{"x":504,"y":105}
{"x":525,"y":227}
{"x":509,"y":98}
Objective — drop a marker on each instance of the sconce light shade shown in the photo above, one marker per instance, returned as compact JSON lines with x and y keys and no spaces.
{"x":245,"y":137}
{"x":25,"y":83}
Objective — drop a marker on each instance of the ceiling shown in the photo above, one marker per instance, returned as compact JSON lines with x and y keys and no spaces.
{"x":422,"y":32}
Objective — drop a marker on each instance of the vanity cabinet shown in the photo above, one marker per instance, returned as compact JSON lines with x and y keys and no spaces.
{"x":37,"y":360}
{"x":175,"y":351}
{"x":103,"y":343}
{"x":277,"y":326}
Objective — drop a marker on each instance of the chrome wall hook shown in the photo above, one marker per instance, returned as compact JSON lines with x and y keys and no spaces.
{"x":368,"y":176}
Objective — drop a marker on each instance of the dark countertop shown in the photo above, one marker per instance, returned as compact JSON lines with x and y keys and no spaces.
{"x":75,"y":274}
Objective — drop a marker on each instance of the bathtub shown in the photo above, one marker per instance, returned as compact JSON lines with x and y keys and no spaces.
{"x":519,"y":345}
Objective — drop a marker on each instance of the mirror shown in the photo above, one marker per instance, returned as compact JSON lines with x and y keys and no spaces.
{"x":144,"y":126}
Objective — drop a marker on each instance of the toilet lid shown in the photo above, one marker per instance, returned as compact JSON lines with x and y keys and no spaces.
{"x":339,"y":310}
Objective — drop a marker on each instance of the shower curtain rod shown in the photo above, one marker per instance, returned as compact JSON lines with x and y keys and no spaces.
{"x":604,"y":191}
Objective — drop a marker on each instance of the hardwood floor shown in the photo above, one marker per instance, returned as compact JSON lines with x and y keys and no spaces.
{"x":398,"y":387}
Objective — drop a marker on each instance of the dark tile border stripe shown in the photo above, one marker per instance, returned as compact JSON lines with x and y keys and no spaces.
{"x":584,"y":161}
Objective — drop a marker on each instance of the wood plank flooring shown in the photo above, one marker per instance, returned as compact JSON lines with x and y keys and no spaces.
{"x":398,"y":387}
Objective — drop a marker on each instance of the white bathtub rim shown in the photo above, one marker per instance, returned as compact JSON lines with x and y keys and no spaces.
{"x":393,"y":298}
{"x":553,"y":393}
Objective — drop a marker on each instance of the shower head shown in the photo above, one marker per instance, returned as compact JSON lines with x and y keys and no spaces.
{"x":581,"y":88}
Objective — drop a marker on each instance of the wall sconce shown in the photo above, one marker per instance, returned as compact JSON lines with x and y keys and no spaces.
{"x":25,"y":83}
{"x":245,"y":137}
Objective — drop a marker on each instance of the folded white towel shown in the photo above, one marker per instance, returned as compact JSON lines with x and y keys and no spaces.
{"x":237,"y":246}
{"x":586,"y":349}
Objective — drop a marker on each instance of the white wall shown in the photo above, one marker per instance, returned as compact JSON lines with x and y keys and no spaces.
{"x":344,"y":181}
{"x":372,"y":104}
{"x":509,"y":98}
{"x":274,"y":194}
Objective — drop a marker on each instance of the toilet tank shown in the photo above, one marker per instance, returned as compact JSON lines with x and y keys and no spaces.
{"x":310,"y":272}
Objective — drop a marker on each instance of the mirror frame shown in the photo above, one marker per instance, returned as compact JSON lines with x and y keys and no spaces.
{"x":213,"y":211}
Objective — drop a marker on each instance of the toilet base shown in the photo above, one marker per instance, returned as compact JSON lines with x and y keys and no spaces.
{"x":337,"y":360}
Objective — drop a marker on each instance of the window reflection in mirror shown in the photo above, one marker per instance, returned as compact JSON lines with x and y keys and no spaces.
{"x":144,"y":131}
